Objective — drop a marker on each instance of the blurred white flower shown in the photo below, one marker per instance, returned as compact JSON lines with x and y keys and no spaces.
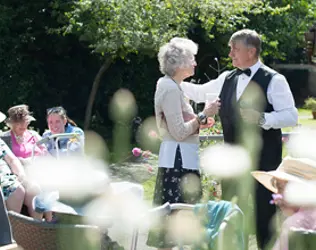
{"x":302,"y":143}
{"x":148,"y":134}
{"x":301,"y":194}
{"x":123,"y":105}
{"x":225,"y":161}
{"x":75,"y":178}
{"x":190,"y":184}
{"x":95,"y":146}
{"x":185,"y":226}
{"x":124,"y":206}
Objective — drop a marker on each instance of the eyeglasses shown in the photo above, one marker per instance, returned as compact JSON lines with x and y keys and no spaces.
{"x":55,"y":110}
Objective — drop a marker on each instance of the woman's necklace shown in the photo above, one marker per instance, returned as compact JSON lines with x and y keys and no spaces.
{"x":19,"y":138}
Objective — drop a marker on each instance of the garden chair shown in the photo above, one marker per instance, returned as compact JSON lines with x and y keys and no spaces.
{"x":7,"y":139}
{"x":224,"y":230}
{"x":56,"y":138}
{"x":301,"y":239}
{"x":32,"y":234}
{"x":6,"y":239}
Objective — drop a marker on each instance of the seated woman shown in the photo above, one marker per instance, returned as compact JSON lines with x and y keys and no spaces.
{"x":59,"y":123}
{"x":16,"y":190}
{"x":23,"y":139}
{"x":290,"y":170}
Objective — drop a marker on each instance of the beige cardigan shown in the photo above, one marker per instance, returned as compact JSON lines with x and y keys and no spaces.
{"x":174,"y":114}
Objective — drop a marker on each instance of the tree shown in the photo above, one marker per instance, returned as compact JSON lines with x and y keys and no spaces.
{"x":283,"y":31}
{"x":116,"y":28}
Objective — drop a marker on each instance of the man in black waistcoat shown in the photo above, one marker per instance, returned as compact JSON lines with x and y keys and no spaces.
{"x":277,"y":110}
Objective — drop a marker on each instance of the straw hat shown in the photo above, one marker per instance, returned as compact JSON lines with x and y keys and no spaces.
{"x":2,"y":117}
{"x":19,"y":113}
{"x":290,"y":169}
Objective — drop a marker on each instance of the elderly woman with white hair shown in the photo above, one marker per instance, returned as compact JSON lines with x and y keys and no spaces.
{"x":178,"y":178}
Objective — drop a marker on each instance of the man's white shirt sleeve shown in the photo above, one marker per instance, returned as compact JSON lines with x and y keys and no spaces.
{"x":280,"y":97}
{"x":198,"y":92}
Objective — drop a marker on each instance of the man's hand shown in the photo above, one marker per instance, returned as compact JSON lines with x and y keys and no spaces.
{"x":212,"y":108}
{"x":250,"y":115}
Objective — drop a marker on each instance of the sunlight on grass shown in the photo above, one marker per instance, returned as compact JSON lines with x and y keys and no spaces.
{"x":302,"y":111}
{"x":305,"y":119}
{"x":308,"y":122}
{"x":149,"y":187}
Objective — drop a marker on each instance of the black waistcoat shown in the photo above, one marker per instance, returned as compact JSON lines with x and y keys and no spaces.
{"x":271,"y":148}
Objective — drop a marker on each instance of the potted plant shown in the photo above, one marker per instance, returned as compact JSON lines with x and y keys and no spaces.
{"x":310,"y":103}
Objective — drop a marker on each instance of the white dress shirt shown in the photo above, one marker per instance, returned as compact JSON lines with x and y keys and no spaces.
{"x":278,"y":93}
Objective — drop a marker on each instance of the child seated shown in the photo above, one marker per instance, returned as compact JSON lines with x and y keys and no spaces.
{"x":59,"y":123}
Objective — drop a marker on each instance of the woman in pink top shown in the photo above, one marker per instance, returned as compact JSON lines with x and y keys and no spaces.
{"x":23,"y":139}
{"x":17,"y":189}
{"x":290,"y":170}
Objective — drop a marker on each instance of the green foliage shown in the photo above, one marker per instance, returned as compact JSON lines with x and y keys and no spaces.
{"x":283,"y":30}
{"x":310,"y":103}
{"x":120,"y":27}
{"x":226,"y":15}
{"x":37,"y":68}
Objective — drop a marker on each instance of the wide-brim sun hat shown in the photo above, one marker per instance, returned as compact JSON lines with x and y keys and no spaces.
{"x":27,"y":118}
{"x":291,"y":169}
{"x":19,"y":113}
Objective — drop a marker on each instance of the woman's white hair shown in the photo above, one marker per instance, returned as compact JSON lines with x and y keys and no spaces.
{"x":178,"y":53}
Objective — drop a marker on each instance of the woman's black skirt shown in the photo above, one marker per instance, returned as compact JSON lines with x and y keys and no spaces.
{"x":173,"y":185}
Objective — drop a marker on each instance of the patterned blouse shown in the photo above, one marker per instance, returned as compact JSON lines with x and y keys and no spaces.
{"x":66,"y":145}
{"x":8,"y":181}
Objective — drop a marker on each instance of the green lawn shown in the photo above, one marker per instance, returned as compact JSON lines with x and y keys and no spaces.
{"x":304,"y":112}
{"x":149,"y":186}
{"x":305,"y":119}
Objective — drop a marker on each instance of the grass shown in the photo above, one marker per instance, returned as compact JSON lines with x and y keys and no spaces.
{"x":303,"y":111}
{"x":149,"y":187}
{"x":305,"y":119}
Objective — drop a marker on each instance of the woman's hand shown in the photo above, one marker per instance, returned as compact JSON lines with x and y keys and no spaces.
{"x":209,"y":124}
{"x":212,"y":108}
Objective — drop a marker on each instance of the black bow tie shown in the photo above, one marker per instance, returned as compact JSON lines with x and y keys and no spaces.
{"x":244,"y":71}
